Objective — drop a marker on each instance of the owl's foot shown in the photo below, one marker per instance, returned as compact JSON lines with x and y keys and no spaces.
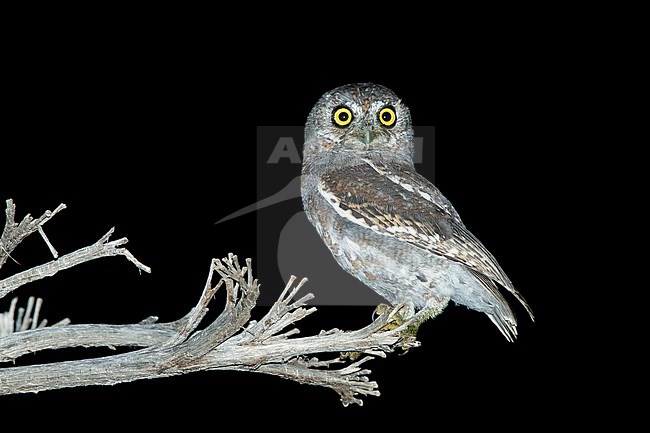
{"x":403,"y":312}
{"x":352,"y":356}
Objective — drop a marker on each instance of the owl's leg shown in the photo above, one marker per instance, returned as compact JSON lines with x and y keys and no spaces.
{"x":433,"y":307}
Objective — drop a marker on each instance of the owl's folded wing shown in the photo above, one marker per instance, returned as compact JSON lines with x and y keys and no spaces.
{"x":407,"y":207}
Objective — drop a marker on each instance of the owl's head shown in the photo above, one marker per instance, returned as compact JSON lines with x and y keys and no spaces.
{"x":358,"y":121}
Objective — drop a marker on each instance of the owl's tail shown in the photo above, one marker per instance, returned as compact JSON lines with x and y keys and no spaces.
{"x":507,"y":325}
{"x":498,"y":310}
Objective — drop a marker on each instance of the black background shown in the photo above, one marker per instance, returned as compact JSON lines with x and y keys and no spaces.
{"x":161,"y":142}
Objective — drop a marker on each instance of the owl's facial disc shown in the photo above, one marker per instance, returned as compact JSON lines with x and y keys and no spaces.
{"x":364,"y":127}
{"x":365,"y":120}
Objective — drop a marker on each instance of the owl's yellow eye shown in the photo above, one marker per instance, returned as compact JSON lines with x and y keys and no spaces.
{"x":387,"y":116}
{"x":342,"y":116}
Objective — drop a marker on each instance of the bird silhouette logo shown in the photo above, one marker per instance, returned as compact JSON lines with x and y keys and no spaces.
{"x":286,"y":242}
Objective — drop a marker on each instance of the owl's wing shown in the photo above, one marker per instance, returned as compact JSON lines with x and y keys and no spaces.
{"x":411,"y":181}
{"x":397,"y":202}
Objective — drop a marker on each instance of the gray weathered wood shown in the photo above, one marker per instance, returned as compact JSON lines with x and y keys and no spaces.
{"x":58,"y":337}
{"x":231,"y":342}
{"x":14,"y":233}
{"x":101,"y":248}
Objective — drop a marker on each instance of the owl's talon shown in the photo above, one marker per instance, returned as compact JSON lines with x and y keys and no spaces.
{"x":398,"y":315}
{"x":379,"y":310}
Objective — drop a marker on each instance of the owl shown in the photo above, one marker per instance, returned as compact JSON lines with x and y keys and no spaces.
{"x":383,"y":222}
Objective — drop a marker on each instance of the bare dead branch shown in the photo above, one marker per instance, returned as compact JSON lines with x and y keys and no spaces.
{"x":101,"y":248}
{"x":22,"y":319}
{"x":58,"y":337}
{"x":231,"y":342}
{"x":53,"y":250}
{"x":13,"y":233}
{"x":347,"y":383}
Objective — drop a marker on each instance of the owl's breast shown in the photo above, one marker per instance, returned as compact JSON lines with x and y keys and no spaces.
{"x":396,"y":270}
{"x":321,"y":215}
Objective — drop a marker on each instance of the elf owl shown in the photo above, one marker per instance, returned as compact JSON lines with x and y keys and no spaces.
{"x":383,"y":222}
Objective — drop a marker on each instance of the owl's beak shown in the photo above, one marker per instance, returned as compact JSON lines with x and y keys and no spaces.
{"x":367,"y":137}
